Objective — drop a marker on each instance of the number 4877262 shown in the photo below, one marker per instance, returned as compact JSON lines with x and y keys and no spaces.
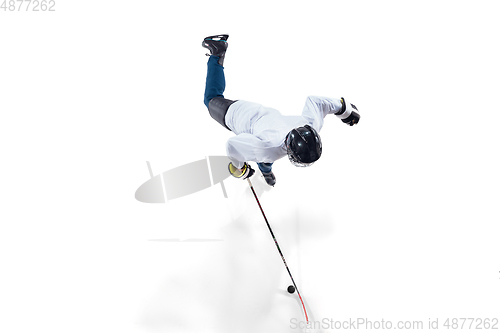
{"x":28,"y":5}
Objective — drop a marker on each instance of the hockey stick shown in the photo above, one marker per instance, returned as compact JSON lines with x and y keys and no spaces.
{"x":279,"y":250}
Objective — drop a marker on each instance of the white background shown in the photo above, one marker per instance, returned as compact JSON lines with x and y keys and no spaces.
{"x":398,"y":220}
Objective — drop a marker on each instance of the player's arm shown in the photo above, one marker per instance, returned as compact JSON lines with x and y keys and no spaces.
{"x":317,"y":108}
{"x":240,"y":149}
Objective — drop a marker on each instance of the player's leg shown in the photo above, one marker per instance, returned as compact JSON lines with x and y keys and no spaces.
{"x":265,"y":167}
{"x":216,"y":82}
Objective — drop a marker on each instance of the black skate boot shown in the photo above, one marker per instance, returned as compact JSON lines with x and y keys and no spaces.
{"x":217,"y":45}
{"x":269,"y":177}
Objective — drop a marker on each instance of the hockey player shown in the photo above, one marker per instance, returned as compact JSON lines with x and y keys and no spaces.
{"x":263,"y":135}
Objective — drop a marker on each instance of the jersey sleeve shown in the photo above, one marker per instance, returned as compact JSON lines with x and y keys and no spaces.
{"x":317,"y":108}
{"x":242,"y":148}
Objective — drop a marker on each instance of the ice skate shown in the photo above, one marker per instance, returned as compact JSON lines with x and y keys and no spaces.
{"x":270,"y":178}
{"x":217,"y":45}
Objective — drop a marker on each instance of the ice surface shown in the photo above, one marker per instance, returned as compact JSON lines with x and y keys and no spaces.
{"x":398,"y":220}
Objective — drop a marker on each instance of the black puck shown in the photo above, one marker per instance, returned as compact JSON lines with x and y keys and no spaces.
{"x":291,"y":289}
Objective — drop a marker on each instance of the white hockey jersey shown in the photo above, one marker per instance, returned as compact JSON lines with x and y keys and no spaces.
{"x":261,"y":131}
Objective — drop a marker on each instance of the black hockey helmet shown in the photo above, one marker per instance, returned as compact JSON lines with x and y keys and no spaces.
{"x":303,"y":146}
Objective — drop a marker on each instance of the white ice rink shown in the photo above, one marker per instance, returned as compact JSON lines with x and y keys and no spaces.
{"x":398,"y":221}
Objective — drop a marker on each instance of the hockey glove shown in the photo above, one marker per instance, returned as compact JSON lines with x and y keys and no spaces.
{"x":348,"y":113}
{"x":243,"y":173}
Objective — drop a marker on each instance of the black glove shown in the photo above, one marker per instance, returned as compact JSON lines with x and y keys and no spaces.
{"x":348,"y":114}
{"x":245,"y":172}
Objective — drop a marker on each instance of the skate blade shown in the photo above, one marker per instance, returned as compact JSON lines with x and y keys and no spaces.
{"x":222,"y":38}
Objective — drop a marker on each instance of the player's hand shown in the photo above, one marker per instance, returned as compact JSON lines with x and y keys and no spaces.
{"x":245,"y":172}
{"x":349,"y":113}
